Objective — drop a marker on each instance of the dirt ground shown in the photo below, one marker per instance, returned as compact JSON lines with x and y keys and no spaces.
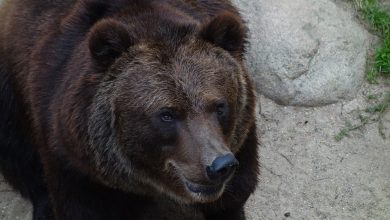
{"x":305,"y":172}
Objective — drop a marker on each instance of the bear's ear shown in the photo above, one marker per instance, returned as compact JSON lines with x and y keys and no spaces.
{"x":226,"y":31}
{"x":107,"y":41}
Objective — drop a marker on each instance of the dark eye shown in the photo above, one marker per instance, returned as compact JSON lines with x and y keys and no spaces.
{"x":166,"y":116}
{"x":220,"y":109}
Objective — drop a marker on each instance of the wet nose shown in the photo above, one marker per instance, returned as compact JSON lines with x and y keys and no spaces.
{"x":222,"y":168}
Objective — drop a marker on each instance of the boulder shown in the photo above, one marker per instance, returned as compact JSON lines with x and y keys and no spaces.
{"x":304,"y":52}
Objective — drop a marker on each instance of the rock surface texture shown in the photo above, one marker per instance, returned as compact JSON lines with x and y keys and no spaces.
{"x":304,"y":52}
{"x":386,"y":4}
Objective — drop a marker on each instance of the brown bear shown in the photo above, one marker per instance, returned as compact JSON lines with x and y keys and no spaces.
{"x":112,"y":109}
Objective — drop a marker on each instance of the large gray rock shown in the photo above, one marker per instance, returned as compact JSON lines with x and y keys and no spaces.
{"x":305,"y":52}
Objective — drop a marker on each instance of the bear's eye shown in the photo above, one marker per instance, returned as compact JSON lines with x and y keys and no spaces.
{"x":166,"y":116}
{"x":220,"y":109}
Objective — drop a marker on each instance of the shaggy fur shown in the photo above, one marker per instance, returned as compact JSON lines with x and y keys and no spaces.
{"x":84,"y":85}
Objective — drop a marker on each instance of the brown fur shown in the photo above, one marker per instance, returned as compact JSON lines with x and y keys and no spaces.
{"x":93,"y":77}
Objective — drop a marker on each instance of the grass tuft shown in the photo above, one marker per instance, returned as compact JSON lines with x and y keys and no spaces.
{"x":382,"y":57}
{"x":380,"y":21}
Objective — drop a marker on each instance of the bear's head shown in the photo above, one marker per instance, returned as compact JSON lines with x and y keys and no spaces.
{"x":174,"y":105}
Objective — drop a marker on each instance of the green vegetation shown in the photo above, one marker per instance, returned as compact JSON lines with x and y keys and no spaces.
{"x":379,"y":20}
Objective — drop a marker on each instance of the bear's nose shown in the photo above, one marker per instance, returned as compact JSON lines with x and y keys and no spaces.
{"x":222,"y":168}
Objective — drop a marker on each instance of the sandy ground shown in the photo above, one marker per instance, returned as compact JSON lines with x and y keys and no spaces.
{"x":305,"y":173}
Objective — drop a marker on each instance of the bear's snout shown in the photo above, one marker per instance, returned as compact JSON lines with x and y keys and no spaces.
{"x":222,"y":168}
